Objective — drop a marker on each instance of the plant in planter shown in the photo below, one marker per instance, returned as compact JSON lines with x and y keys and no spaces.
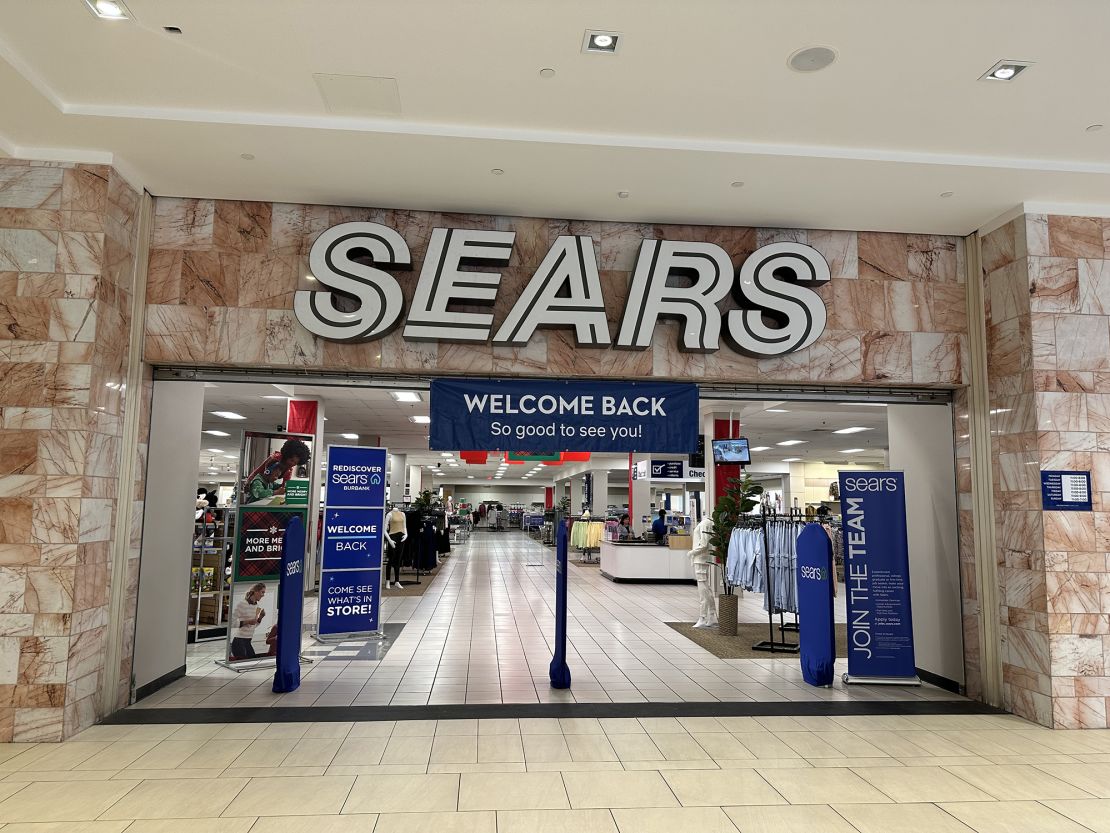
{"x":426,"y":500}
{"x":740,"y":497}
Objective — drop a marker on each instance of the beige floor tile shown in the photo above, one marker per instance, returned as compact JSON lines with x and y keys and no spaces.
{"x":285,"y":730}
{"x":154,"y":731}
{"x":701,"y":724}
{"x":1091,"y":778}
{"x":900,"y":818}
{"x":662,"y":725}
{"x":722,"y":746}
{"x":799,"y":818}
{"x":809,"y":745}
{"x":822,"y":786}
{"x":203,"y":825}
{"x":545,"y":748}
{"x":580,"y":726}
{"x":679,"y":747}
{"x":943,"y":760}
{"x":850,"y":745}
{"x":622,"y":726}
{"x":360,"y":751}
{"x":506,"y":748}
{"x":284,"y":771}
{"x":512,"y":791}
{"x":330,"y":731}
{"x":588,"y":790}
{"x":414,"y":728}
{"x":855,"y":762}
{"x":665,"y":766}
{"x":765,"y":745}
{"x":728,"y":787}
{"x":69,"y":827}
{"x":177,"y":799}
{"x":454,"y":728}
{"x":371,"y":769}
{"x":117,"y":755}
{"x":896,"y":744}
{"x":635,"y":747}
{"x":590,"y":748}
{"x":164,"y":774}
{"x":540,"y":726}
{"x":298,"y":796}
{"x":555,"y":821}
{"x":363,"y":823}
{"x":79,"y":801}
{"x":61,"y":755}
{"x":217,"y":753}
{"x":481,"y":822}
{"x":505,"y":767}
{"x":931,"y":784}
{"x":765,"y":763}
{"x":1012,"y":817}
{"x":671,"y":819}
{"x":372,"y":729}
{"x":740,"y":724}
{"x":499,"y":726}
{"x":403,"y":794}
{"x":234,"y":731}
{"x":1090,"y":812}
{"x":1016,"y":783}
{"x":313,"y":752}
{"x":454,"y":749}
{"x":58,"y":775}
{"x":408,"y":749}
{"x":264,"y":752}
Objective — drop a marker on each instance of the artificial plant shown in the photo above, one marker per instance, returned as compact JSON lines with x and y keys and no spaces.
{"x":741,"y":496}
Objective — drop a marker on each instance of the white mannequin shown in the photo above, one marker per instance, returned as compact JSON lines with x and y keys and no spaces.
{"x":391,"y":544}
{"x":701,"y":558}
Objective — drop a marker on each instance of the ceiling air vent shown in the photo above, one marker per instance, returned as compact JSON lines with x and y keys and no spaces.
{"x":359,"y":95}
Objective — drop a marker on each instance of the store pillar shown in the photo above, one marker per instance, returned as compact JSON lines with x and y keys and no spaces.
{"x":397,"y":466}
{"x":415,"y":481}
{"x":577,"y":494}
{"x":639,"y":495}
{"x":600,"y":494}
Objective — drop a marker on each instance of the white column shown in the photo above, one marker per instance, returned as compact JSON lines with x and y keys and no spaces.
{"x":640,"y":499}
{"x":397,"y":477}
{"x":601,"y":493}
{"x":577,"y":490}
{"x":415,"y":481}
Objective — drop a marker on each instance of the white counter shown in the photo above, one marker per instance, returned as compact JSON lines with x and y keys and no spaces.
{"x":645,"y":562}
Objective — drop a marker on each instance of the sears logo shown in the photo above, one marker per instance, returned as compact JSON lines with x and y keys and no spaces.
{"x":871,"y":484}
{"x":814,"y":573}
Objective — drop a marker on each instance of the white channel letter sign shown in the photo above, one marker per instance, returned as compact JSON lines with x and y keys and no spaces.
{"x":779,"y":311}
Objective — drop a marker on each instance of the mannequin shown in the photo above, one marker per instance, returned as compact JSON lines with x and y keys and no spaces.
{"x":397,"y":533}
{"x":701,"y":558}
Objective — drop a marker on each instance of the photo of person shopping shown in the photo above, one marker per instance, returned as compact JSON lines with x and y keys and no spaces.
{"x":245,"y":618}
{"x":270,"y":476}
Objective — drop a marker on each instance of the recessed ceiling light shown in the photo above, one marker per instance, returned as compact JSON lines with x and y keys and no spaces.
{"x":946,"y":194}
{"x":213,"y":432}
{"x":623,"y":195}
{"x":791,"y":442}
{"x":227,"y":414}
{"x":420,"y":420}
{"x":453,"y":465}
{"x":602,"y":42}
{"x":497,"y":171}
{"x":1005,"y":70}
{"x":851,"y":450}
{"x":777,"y":411}
{"x":811,"y":59}
{"x":108,"y":9}
{"x":247,"y":156}
{"x":864,"y":404}
{"x":231,"y":456}
{"x":274,"y":396}
{"x":855,"y":429}
{"x":446,"y":454}
{"x":215,"y":450}
{"x":349,"y":436}
{"x":737,"y":184}
{"x":547,"y":72}
{"x":793,"y":460}
{"x":405,"y":395}
{"x":1093,"y":128}
{"x":172,"y":30}
{"x":760,"y":448}
{"x":470,"y":477}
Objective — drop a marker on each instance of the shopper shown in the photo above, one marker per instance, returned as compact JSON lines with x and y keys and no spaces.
{"x":624,"y":528}
{"x":281,"y":465}
{"x":396,"y":529}
{"x":245,"y":618}
{"x":659,"y":527}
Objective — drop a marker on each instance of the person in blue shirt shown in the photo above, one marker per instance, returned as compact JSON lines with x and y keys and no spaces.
{"x":659,"y":526}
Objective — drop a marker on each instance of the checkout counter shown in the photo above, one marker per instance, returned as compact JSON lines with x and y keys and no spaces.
{"x":646,"y":561}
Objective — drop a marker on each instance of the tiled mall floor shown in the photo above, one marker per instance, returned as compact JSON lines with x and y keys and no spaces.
{"x":482,"y":633}
{"x":941,"y":774}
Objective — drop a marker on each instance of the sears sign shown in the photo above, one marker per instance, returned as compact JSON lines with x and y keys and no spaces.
{"x":774,"y":287}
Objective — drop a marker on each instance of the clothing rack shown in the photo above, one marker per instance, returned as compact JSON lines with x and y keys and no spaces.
{"x":770,"y":644}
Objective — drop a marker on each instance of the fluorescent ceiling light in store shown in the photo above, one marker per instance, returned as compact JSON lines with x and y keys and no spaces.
{"x":470,"y":477}
{"x":853,"y":430}
{"x":777,"y":411}
{"x":420,"y":420}
{"x":275,"y":396}
{"x":453,"y":465}
{"x":791,"y":442}
{"x":760,"y":448}
{"x":446,"y":454}
{"x":213,"y":432}
{"x":349,"y":436}
{"x":215,"y":450}
{"x":108,"y":9}
{"x":864,"y":404}
{"x":793,"y":460}
{"x":851,"y":451}
{"x":231,"y":456}
{"x":227,"y":415}
{"x":405,"y":395}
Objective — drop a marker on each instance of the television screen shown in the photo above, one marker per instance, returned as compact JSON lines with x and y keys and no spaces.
{"x":732,"y":451}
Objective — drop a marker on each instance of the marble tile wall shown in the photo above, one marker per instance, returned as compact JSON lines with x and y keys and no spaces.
{"x":68,"y":237}
{"x":1047,"y":284}
{"x":222,"y":277}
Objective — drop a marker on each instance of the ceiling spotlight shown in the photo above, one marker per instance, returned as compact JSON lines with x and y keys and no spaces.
{"x":851,"y":450}
{"x":547,"y":72}
{"x":811,"y":59}
{"x":213,"y":432}
{"x":246,"y":156}
{"x":349,"y":436}
{"x":172,"y":30}
{"x":405,"y":395}
{"x":453,"y":465}
{"x":497,"y":171}
{"x":470,"y":477}
{"x":601,"y":42}
{"x":623,"y":195}
{"x":1005,"y":70}
{"x":228,"y":415}
{"x":420,"y":420}
{"x":1093,"y":128}
{"x":737,"y":184}
{"x":946,"y":194}
{"x":446,"y":454}
{"x":853,"y":430}
{"x":108,"y":9}
{"x":791,"y":442}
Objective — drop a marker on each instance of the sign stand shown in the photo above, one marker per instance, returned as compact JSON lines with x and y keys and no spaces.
{"x":817,"y":643}
{"x":559,"y":671}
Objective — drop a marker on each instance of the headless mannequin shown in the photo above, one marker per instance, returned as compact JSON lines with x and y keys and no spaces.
{"x":701,"y":558}
{"x":394,"y":542}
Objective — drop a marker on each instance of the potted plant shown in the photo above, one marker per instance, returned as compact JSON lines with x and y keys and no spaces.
{"x":740,"y":497}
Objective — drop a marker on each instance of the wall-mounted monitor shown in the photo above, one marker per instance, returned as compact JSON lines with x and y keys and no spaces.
{"x":734,"y":451}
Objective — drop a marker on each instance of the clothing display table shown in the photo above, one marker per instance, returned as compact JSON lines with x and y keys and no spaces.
{"x":642,"y":561}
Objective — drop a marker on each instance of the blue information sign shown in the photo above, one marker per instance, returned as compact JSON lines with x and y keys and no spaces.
{"x":817,"y":640}
{"x":352,"y":539}
{"x":356,"y":476}
{"x":666,"y":470}
{"x":349,"y":601}
{"x":1066,"y":491}
{"x":558,"y":671}
{"x":877,"y":577}
{"x":290,"y":604}
{"x":522,"y":415}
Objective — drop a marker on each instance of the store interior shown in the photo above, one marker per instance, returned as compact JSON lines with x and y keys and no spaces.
{"x":482,"y":588}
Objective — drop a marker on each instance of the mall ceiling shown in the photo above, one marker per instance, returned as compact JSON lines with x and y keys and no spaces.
{"x":696,"y":118}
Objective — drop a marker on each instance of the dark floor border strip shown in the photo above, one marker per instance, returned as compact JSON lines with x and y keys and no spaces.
{"x":939,"y":681}
{"x":338,"y":714}
{"x":163,"y":681}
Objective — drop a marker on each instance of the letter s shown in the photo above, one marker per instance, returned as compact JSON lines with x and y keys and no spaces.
{"x":770,"y":284}
{"x":378,"y":295}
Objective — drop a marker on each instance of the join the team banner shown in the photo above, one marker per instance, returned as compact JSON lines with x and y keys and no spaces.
{"x":522,"y":415}
{"x":877,"y":577}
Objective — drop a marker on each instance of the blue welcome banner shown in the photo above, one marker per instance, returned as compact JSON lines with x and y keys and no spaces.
{"x":351,"y":553}
{"x":877,"y":578}
{"x":521,"y":415}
